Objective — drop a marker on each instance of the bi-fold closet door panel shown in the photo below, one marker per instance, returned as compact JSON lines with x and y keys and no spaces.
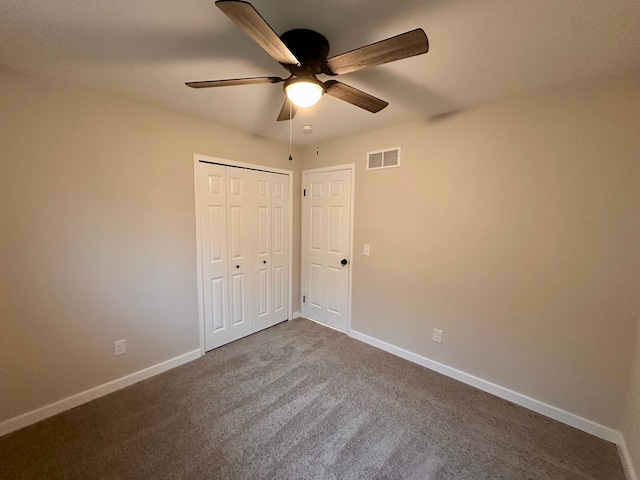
{"x":245,"y":223}
{"x":239,"y":250}
{"x":261,"y":221}
{"x":269,"y":229}
{"x":213,"y":232}
{"x":279,"y":247}
{"x":270,"y":217}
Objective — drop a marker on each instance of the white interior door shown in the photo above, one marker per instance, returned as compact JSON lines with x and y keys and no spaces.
{"x":326,"y":223}
{"x":213,"y":228}
{"x":261,"y":223}
{"x":244,"y":226}
{"x":239,"y":238}
{"x":271,"y":260}
{"x":280,"y":234}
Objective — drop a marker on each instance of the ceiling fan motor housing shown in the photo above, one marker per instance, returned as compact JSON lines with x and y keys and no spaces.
{"x":310,"y":48}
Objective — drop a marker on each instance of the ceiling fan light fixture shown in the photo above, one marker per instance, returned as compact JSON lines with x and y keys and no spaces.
{"x":304,"y":54}
{"x":304,"y":93}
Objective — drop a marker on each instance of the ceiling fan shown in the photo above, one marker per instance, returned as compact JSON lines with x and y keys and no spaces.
{"x":304,"y":54}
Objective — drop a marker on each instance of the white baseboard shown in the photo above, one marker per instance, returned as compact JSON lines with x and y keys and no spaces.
{"x":296,"y":315}
{"x":519,"y":399}
{"x":60,"y":406}
{"x":627,"y":463}
{"x":558,"y":414}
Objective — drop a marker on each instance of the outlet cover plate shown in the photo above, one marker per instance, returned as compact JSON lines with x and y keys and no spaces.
{"x":119,"y":347}
{"x":437,"y":335}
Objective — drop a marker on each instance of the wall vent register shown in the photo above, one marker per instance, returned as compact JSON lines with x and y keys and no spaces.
{"x":383,"y":159}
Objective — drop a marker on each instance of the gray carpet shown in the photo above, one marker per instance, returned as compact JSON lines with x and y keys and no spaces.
{"x":300,"y":401}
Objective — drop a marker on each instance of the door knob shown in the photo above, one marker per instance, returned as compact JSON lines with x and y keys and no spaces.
{"x":237,"y":266}
{"x":344,"y":261}
{"x":264,"y":261}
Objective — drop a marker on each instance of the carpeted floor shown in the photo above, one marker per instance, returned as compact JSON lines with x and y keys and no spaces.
{"x":300,"y":401}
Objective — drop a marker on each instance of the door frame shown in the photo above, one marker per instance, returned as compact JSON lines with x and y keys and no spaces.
{"x":197,"y":158}
{"x":304,"y":235}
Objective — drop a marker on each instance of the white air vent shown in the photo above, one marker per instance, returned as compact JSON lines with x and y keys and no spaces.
{"x":383,"y":159}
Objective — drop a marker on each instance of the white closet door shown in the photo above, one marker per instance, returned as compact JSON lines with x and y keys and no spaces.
{"x":261,"y":223}
{"x":239,"y":237}
{"x":213,"y":219}
{"x":271,"y":254}
{"x":280,"y":247}
{"x":244,"y":224}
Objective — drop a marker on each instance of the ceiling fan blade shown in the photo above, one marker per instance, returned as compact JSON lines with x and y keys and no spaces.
{"x":284,"y":112}
{"x":408,"y":44}
{"x":354,"y":96}
{"x":249,"y":20}
{"x":234,"y":81}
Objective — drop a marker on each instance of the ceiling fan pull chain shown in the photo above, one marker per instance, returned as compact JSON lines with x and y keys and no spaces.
{"x":290,"y":131}
{"x":317,"y":129}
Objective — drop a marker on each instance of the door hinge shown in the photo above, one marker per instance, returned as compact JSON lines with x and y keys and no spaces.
{"x":304,"y":299}
{"x":304,"y":192}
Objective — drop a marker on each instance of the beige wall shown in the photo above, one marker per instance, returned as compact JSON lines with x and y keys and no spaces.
{"x":97,"y":238}
{"x":631,"y":425}
{"x":514,"y":228}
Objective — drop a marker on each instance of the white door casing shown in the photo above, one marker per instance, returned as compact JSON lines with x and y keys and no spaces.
{"x":327,"y":244}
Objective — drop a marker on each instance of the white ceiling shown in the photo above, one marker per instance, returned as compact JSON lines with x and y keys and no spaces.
{"x":480,"y":51}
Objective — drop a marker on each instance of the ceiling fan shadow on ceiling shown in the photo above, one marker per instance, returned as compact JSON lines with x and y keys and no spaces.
{"x":304,"y":54}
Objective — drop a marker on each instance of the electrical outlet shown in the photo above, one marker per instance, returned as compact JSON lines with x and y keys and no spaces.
{"x":367,"y":250}
{"x":119,"y":347}
{"x":437,"y":335}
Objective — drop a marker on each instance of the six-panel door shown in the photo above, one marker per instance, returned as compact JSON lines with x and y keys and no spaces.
{"x":326,"y":242}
